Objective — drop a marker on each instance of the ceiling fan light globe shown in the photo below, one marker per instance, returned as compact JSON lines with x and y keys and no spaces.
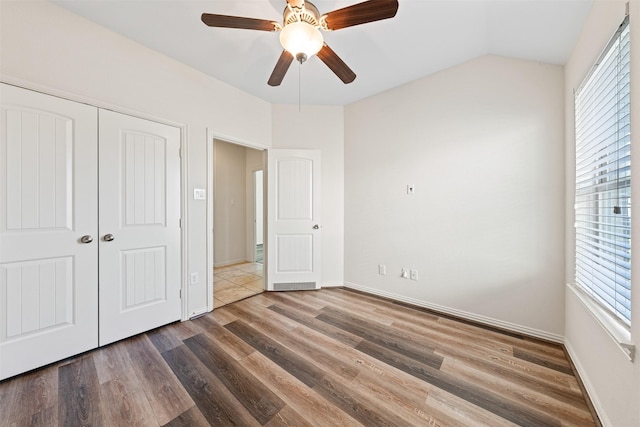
{"x":301,"y":38}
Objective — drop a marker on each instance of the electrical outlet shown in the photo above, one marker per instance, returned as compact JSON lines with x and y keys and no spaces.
{"x":382,"y":269}
{"x":195,"y":278}
{"x":405,"y":273}
{"x":414,"y":274}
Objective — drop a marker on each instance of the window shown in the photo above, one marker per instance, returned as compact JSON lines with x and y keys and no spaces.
{"x":603,"y":179}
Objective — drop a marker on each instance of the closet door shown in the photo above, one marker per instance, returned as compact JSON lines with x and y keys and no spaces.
{"x":48,"y":229}
{"x":139,"y":225}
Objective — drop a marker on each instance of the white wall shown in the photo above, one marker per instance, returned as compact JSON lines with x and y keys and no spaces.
{"x":230,"y":204}
{"x":612,"y":381}
{"x":483,"y":144}
{"x":320,"y":128}
{"x":46,"y":47}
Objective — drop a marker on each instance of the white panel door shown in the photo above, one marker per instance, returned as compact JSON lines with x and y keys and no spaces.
{"x":48,"y":202}
{"x":139,"y":225}
{"x":294,"y":230}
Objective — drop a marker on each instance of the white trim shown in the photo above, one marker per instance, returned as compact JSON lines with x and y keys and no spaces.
{"x":231,"y":262}
{"x":184,"y":224}
{"x":590,"y":389}
{"x":199,"y":313}
{"x":332,"y":285}
{"x":254,"y":239}
{"x":512,"y":327}
{"x":620,"y":335}
{"x":70,"y":96}
{"x":209,"y":219}
{"x":236,"y":141}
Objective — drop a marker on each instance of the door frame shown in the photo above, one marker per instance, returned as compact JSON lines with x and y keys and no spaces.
{"x":184,"y":230}
{"x":254,"y":174}
{"x":212,"y":135}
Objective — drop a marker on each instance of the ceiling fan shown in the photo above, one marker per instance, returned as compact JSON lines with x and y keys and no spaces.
{"x":300,"y":33}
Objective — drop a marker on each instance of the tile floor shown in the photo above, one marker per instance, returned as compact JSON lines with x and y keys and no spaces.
{"x":232,"y":283}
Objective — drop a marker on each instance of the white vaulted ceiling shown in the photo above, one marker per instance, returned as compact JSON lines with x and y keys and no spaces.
{"x":426,"y":36}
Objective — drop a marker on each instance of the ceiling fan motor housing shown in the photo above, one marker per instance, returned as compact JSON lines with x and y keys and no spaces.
{"x":308,"y":13}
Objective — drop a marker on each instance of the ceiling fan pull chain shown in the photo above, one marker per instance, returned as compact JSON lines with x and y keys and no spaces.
{"x":299,"y":86}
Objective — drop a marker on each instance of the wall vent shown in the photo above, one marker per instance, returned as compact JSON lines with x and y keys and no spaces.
{"x":294,"y":286}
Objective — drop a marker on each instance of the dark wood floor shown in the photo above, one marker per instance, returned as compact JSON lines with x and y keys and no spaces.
{"x":332,"y":357}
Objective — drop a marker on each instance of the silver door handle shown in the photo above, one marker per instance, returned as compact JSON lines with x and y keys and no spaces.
{"x":108,"y":237}
{"x":86,"y":239}
{"x":316,"y":227}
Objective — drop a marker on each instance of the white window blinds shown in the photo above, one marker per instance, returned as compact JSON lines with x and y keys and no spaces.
{"x":603,"y":179}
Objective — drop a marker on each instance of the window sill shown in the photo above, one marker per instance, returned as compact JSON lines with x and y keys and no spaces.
{"x":618,"y":333}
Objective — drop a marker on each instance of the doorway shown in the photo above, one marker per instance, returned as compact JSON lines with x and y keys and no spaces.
{"x":238,"y":222}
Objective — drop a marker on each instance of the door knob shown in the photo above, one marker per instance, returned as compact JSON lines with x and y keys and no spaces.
{"x":86,"y":239}
{"x":108,"y":237}
{"x":316,"y":227}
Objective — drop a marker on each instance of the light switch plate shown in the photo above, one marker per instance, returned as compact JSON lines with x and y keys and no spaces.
{"x":199,"y":194}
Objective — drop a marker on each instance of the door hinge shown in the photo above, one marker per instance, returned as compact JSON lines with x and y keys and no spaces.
{"x":180,"y":222}
{"x":180,"y":152}
{"x":180,"y":293}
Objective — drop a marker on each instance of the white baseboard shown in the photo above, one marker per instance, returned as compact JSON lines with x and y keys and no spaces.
{"x":332,"y":285}
{"x":198,"y":313}
{"x":230,"y":262}
{"x":597,"y":405}
{"x":512,"y":327}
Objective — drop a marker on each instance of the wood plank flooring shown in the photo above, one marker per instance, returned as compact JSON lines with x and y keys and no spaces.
{"x":332,"y":357}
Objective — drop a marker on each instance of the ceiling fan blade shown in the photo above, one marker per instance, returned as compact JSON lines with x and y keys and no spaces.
{"x":361,"y":13}
{"x":296,"y":3}
{"x":337,"y":65}
{"x":282,"y":66}
{"x":226,"y":21}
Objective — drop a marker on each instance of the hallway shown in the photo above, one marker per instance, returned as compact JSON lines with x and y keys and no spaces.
{"x":235,"y":282}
